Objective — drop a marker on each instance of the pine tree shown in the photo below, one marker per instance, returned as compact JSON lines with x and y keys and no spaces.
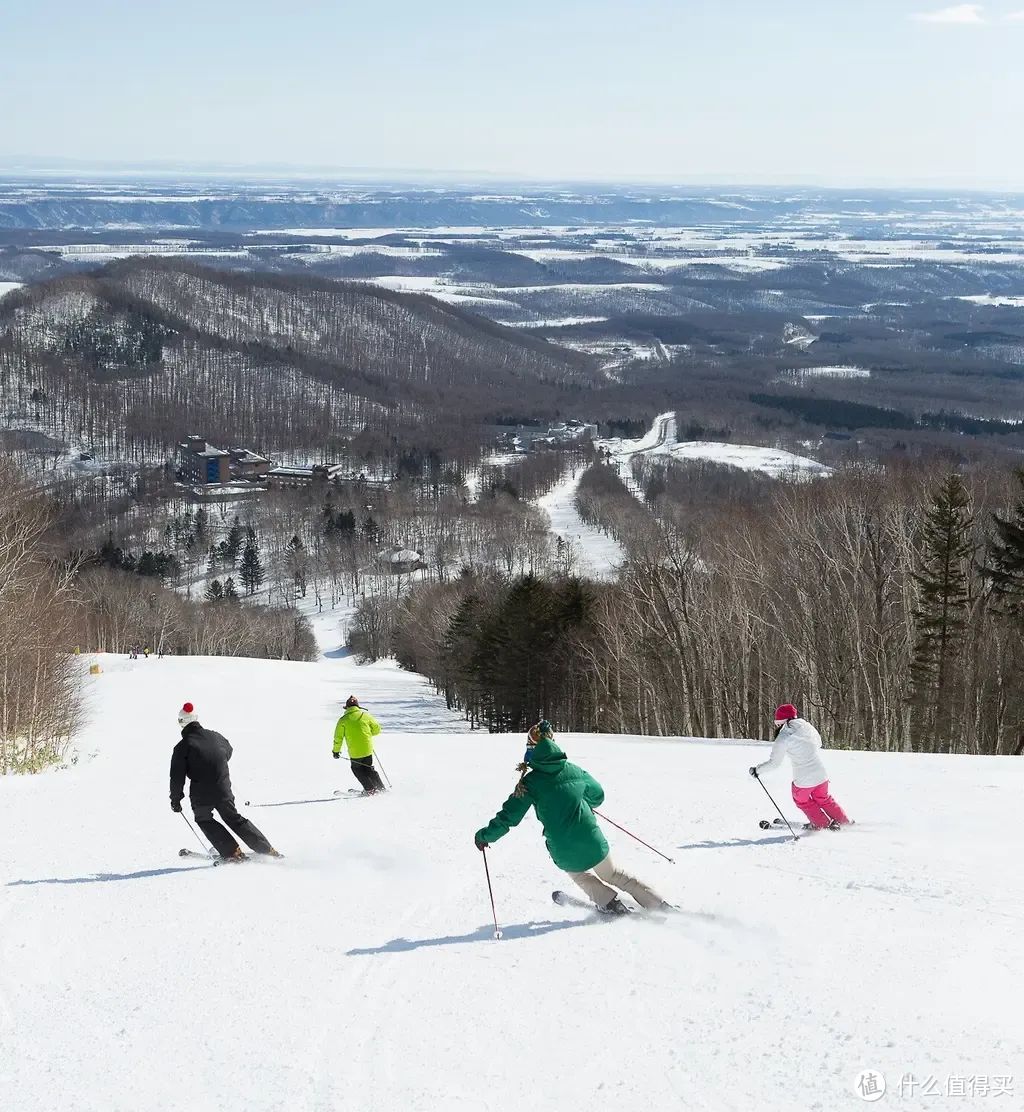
{"x":251,"y":571}
{"x":214,"y":591}
{"x":230,"y":590}
{"x":1004,"y":565}
{"x":295,"y":554}
{"x":940,"y":617}
{"x":233,"y":544}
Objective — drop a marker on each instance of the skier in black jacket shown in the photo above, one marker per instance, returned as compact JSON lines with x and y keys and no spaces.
{"x":203,"y":755}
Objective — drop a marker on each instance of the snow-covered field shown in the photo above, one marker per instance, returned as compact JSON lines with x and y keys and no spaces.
{"x":6,"y":287}
{"x":995,"y":299}
{"x":361,"y":974}
{"x":661,"y":440}
{"x":750,"y":457}
{"x":836,"y":371}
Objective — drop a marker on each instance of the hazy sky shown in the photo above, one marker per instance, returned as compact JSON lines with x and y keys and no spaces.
{"x":832,"y":91}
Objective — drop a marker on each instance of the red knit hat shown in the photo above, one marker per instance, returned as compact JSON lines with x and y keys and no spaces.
{"x":187,"y":714}
{"x":785,"y":713}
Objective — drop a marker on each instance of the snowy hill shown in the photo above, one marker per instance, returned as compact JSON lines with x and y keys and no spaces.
{"x":360,"y":972}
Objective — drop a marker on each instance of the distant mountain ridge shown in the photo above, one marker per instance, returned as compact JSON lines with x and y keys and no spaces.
{"x":143,"y":350}
{"x":37,"y":204}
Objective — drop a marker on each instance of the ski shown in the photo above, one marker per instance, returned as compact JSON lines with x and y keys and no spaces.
{"x":564,"y":899}
{"x":801,"y":828}
{"x":215,"y":858}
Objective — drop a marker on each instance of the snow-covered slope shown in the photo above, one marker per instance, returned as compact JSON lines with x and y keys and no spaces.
{"x":360,"y":973}
{"x":662,"y":440}
{"x":597,"y":553}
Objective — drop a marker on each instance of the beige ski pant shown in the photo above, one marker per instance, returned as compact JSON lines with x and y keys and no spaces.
{"x":596,"y":881}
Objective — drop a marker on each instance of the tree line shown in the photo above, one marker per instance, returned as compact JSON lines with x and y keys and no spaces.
{"x":887,"y":604}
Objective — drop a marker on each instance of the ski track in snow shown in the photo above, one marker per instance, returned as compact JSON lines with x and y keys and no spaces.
{"x":598,"y":553}
{"x":360,"y":973}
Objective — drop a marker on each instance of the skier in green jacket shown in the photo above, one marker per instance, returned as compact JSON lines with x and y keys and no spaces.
{"x":564,"y":796}
{"x":357,"y":728}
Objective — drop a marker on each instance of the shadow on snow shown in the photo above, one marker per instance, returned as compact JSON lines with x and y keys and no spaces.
{"x":736,"y":842}
{"x":102,"y":878}
{"x":482,"y":934}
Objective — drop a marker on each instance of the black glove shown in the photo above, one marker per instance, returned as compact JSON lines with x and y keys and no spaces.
{"x":481,"y":846}
{"x":753,"y":772}
{"x":176,"y":806}
{"x":337,"y":756}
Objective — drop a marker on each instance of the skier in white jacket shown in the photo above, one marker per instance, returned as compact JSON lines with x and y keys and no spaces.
{"x":801,"y":742}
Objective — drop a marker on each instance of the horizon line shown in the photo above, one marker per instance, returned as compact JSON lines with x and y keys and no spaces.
{"x":58,"y":166}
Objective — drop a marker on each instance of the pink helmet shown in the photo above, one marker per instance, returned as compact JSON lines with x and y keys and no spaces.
{"x":785,"y":713}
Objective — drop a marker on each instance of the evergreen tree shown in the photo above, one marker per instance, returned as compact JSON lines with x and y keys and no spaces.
{"x":251,"y":571}
{"x":233,"y":544}
{"x":512,"y":661}
{"x":1004,"y":565}
{"x":230,"y":590}
{"x":202,"y":520}
{"x":214,"y":591}
{"x":295,"y":554}
{"x":940,"y":617}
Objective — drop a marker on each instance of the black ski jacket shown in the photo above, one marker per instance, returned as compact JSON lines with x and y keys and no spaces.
{"x":202,"y":756}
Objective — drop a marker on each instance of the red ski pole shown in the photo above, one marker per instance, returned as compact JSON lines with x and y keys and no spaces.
{"x":490,"y":890}
{"x":670,"y":860}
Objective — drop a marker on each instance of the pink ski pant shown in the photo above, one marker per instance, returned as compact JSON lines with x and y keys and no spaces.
{"x":819,"y":807}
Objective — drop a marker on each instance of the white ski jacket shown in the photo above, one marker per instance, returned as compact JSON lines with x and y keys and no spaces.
{"x":801,"y":742}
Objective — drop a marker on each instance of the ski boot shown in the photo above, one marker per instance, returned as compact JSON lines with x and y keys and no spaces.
{"x":615,"y":907}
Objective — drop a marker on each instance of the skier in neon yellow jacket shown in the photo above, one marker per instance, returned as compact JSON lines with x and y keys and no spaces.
{"x":357,"y":728}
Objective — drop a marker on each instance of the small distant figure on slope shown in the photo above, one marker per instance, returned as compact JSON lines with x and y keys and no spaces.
{"x":564,"y":796}
{"x":146,"y":651}
{"x":202,"y":755}
{"x":801,"y":742}
{"x":357,"y":728}
{"x":133,"y":653}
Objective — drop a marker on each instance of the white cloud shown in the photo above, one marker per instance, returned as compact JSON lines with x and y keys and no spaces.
{"x":959,"y":13}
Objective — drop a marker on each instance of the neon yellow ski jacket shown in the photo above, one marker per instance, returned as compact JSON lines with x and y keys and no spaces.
{"x":356,"y":728}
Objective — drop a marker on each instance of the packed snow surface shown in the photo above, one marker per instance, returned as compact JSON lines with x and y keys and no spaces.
{"x":361,"y":972}
{"x":598,"y":554}
{"x":750,"y":457}
{"x":662,"y":440}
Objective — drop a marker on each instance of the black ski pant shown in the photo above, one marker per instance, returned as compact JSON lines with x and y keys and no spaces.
{"x":366,"y":774}
{"x":219,"y":838}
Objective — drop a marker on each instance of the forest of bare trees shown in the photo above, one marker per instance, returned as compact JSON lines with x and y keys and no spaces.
{"x":127,"y":361}
{"x":865,"y":598}
{"x":38,"y":677}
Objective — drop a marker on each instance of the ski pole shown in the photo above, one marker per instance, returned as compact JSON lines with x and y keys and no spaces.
{"x":381,"y":767}
{"x":796,"y":837}
{"x":670,"y":860}
{"x":351,"y":761}
{"x":208,"y":850}
{"x":490,"y":891}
